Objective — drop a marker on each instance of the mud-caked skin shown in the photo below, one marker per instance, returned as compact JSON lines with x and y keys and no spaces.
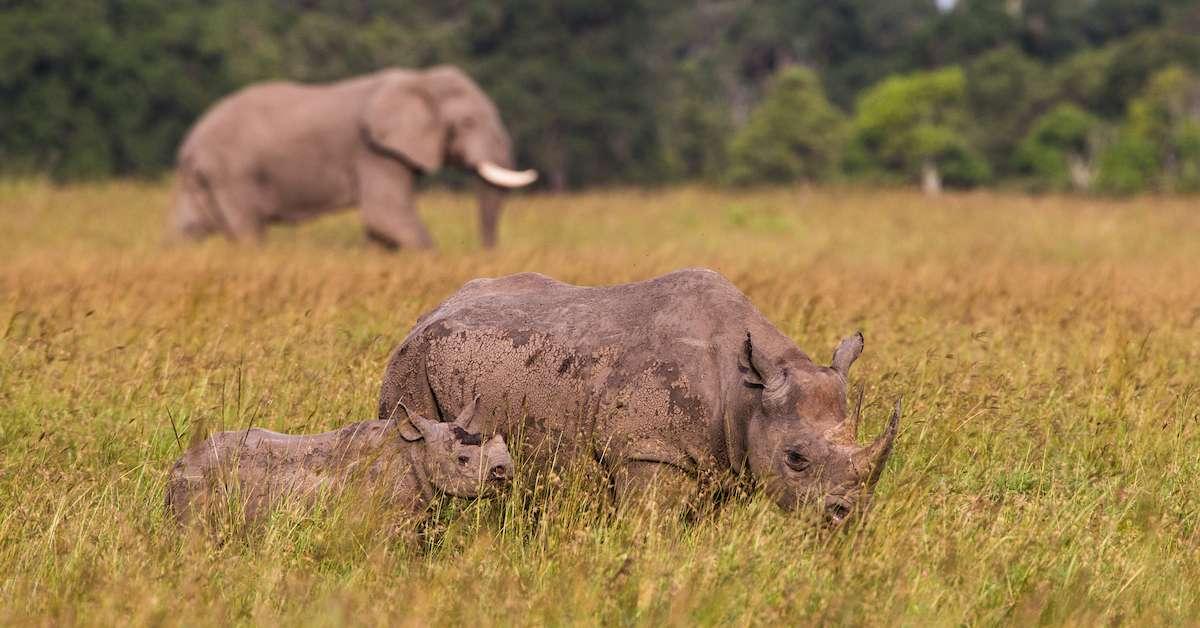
{"x":670,"y":384}
{"x":406,"y":460}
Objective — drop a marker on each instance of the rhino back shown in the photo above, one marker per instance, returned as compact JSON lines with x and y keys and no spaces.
{"x":641,"y":371}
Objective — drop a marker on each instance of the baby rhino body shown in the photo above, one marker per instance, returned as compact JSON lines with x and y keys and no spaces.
{"x":404,"y":461}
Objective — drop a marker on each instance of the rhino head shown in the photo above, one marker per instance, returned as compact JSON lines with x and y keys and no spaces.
{"x":457,"y":459}
{"x":801,"y":443}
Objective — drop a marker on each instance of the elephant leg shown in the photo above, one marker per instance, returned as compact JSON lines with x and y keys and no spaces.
{"x":490,"y":204}
{"x":389,"y":209}
{"x":395,"y":227}
{"x":192,"y":216}
{"x":238,"y":208}
{"x":653,"y":487}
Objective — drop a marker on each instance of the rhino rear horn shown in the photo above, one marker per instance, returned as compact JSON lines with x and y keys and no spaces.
{"x":852,"y":421}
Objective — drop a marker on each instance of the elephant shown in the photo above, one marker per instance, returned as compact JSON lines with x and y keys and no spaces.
{"x":284,"y":152}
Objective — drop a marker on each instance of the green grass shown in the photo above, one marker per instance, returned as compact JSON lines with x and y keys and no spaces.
{"x":1048,"y":467}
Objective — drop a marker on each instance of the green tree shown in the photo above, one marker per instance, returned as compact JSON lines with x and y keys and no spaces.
{"x":1158,"y":146}
{"x":1006,"y":90}
{"x":692,"y":126}
{"x":1137,"y":58}
{"x":795,"y":134}
{"x":574,"y":91}
{"x":1057,"y":151}
{"x":94,"y":89}
{"x":969,"y":28}
{"x":1127,"y":165}
{"x":1167,"y":115}
{"x":915,"y":125}
{"x":630,"y":90}
{"x":1081,"y":78}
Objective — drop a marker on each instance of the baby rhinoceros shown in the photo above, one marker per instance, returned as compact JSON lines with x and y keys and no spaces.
{"x":405,"y":461}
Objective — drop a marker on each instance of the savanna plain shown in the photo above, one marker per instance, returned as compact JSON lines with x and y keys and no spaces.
{"x":1047,"y":469}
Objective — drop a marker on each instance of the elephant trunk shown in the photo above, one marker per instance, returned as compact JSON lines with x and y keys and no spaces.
{"x":496,"y":176}
{"x":491,"y":201}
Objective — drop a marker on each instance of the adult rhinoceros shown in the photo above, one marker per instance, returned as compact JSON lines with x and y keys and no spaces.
{"x":665,"y":382}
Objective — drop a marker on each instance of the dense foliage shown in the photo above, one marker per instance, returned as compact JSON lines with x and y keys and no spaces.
{"x":640,"y":90}
{"x":795,"y":134}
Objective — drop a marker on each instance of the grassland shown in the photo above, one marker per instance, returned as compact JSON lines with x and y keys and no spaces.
{"x":1047,"y":350}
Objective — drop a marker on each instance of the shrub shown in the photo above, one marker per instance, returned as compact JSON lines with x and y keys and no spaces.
{"x":1006,"y":90}
{"x":1128,"y":165}
{"x":1159,"y":143}
{"x":1167,"y":115}
{"x":795,"y":134}
{"x":1057,"y":137}
{"x":914,"y":125}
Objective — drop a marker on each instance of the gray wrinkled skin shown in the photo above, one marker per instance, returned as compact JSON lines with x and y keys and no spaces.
{"x":281,"y":152}
{"x":673,"y":382}
{"x":407,"y":462}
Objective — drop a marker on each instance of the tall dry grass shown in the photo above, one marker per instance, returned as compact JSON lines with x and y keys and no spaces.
{"x":1047,"y":469}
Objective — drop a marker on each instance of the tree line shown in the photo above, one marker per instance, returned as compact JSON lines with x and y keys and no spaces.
{"x":1045,"y":94}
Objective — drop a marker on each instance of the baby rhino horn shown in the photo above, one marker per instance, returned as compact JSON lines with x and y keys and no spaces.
{"x":466,"y":417}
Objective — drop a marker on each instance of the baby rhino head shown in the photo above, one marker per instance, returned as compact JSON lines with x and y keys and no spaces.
{"x":458,"y":460}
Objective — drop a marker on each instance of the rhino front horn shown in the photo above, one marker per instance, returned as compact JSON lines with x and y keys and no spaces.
{"x":878,"y":451}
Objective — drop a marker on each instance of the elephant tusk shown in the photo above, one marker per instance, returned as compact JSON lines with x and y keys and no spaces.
{"x":505,"y":178}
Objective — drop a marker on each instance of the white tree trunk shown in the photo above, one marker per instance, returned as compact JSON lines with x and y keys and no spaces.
{"x":931,"y":179}
{"x":1080,"y":172}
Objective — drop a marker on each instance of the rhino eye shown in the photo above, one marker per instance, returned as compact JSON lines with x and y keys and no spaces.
{"x":464,"y":459}
{"x":797,"y":461}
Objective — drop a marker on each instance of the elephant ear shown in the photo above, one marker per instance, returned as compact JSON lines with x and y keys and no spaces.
{"x":402,"y":119}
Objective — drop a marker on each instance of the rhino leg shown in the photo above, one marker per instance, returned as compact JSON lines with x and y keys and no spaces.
{"x":653,"y":487}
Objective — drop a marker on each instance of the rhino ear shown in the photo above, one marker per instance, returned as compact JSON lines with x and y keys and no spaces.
{"x":846,"y":353}
{"x":750,"y":375}
{"x":758,"y":369}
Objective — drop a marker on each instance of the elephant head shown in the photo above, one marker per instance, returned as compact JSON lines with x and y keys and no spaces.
{"x":440,"y":115}
{"x":801,"y":441}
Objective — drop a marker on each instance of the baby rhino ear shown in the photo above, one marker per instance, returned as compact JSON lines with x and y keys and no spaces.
{"x":413,"y":427}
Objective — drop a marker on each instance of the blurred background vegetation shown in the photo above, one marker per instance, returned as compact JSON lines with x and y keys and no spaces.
{"x":1040,"y":94}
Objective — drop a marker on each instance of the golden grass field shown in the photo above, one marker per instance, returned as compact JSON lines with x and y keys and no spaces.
{"x":1047,"y":470}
